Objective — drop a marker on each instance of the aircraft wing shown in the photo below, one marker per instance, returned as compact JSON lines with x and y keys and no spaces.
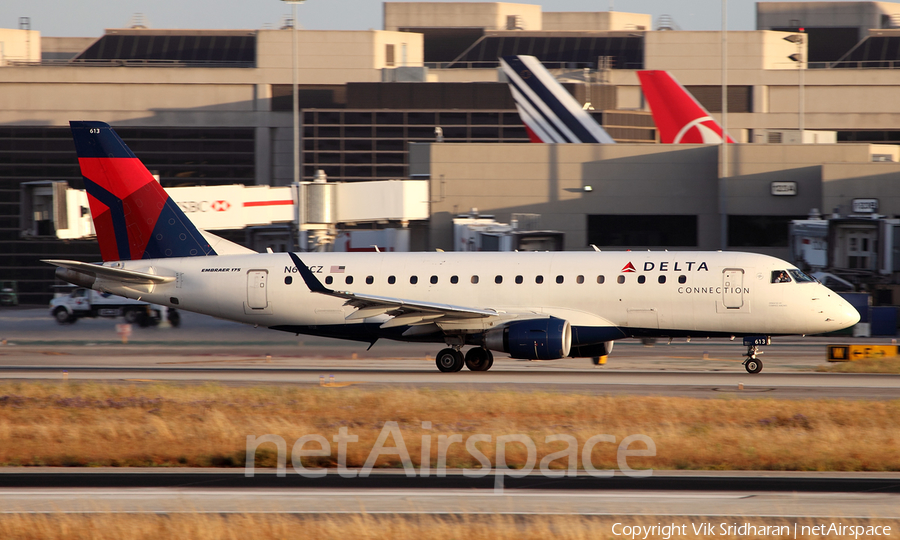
{"x":404,"y":312}
{"x":105,"y":272}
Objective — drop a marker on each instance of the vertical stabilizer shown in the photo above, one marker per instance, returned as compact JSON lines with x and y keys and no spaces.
{"x":679,"y":117}
{"x":133,"y":215}
{"x":549,"y":112}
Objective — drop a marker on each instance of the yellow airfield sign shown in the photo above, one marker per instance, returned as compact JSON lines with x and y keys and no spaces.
{"x":849,"y":353}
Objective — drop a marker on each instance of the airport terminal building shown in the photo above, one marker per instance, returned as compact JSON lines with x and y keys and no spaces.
{"x":424,"y":99}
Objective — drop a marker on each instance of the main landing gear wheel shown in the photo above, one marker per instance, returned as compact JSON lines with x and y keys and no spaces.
{"x":479,"y":359}
{"x":449,"y":360}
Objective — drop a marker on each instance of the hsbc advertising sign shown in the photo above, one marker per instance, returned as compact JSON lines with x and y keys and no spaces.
{"x":235,"y":206}
{"x":190,"y":207}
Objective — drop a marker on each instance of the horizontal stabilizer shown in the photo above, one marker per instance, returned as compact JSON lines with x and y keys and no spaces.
{"x":114,"y":274}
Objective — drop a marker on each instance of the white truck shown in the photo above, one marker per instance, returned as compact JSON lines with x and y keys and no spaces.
{"x":90,"y":303}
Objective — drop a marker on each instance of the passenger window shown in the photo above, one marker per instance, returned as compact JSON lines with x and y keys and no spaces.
{"x":413,"y":279}
{"x":454,"y":279}
{"x":370,"y":280}
{"x":519,"y":280}
{"x":559,"y":279}
{"x":329,"y":280}
{"x":538,"y":279}
{"x":620,"y":279}
{"x":348,"y":280}
{"x":434,"y":280}
{"x":682,"y":279}
{"x":579,"y":280}
{"x":601,"y":279}
{"x":392,"y":280}
{"x":662,"y":279}
{"x":498,"y":280}
{"x":642,"y":279}
{"x":288,"y":280}
{"x":780,"y":276}
{"x":474,"y":279}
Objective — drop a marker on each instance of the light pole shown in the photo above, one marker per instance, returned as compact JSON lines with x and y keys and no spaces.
{"x":798,"y":57}
{"x":723,"y":203}
{"x":296,"y":99}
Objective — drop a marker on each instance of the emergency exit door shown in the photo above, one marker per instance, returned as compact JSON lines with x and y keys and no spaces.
{"x":257,"y":297}
{"x":733,"y":288}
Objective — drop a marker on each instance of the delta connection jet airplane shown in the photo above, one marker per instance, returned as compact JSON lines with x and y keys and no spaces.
{"x":530,"y":305}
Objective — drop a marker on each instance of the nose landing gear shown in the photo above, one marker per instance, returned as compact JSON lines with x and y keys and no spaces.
{"x":753,"y":364}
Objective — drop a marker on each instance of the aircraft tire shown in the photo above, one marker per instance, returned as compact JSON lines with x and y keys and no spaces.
{"x":449,"y":360}
{"x":753,"y":365}
{"x":479,"y":359}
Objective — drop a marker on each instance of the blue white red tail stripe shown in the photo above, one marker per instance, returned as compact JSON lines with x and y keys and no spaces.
{"x":133,"y":215}
{"x":549,"y":112}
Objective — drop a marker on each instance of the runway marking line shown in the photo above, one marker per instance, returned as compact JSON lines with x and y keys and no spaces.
{"x":223,"y":361}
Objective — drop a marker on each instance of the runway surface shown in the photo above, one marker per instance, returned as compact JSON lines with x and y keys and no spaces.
{"x":33,"y":346}
{"x":864,"y":496}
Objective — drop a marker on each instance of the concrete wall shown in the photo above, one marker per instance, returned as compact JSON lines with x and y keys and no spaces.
{"x":549,"y":180}
{"x":20,"y":45}
{"x":823,"y":14}
{"x":487,"y":15}
{"x":64,"y":48}
{"x":843,"y":182}
{"x":698,"y":55}
{"x":595,"y":20}
{"x":333,"y":57}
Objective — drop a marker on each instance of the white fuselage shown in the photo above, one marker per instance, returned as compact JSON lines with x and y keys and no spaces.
{"x":668,"y":293}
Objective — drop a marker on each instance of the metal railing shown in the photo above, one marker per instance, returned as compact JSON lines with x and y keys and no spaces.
{"x":78,"y":62}
{"x":856,"y":64}
{"x":493,"y":64}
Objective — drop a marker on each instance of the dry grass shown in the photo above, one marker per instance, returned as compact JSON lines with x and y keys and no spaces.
{"x":413,"y":527}
{"x":98,"y":424}
{"x":869,"y":365}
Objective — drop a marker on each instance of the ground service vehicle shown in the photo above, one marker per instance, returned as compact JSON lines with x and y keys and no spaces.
{"x":89,"y":303}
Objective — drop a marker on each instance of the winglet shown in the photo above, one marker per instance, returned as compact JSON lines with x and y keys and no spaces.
{"x":311,"y":280}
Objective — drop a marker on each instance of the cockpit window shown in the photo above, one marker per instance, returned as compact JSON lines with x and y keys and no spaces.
{"x":780,"y":276}
{"x":800,"y":277}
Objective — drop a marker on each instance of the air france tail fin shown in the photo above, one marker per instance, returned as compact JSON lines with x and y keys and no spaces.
{"x":133,"y":215}
{"x":550,"y":113}
{"x":678,"y":115}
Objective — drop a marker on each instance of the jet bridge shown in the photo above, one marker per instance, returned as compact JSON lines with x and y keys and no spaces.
{"x":314,"y":209}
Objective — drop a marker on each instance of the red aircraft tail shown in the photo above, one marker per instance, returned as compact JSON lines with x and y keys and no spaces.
{"x":678,"y":116}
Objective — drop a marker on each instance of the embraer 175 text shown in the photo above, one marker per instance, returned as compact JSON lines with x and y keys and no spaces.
{"x":529,"y":305}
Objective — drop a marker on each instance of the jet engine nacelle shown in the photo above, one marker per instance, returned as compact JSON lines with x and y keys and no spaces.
{"x":535,"y":339}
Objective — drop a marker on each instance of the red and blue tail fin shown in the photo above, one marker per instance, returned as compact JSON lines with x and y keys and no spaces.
{"x":679,"y":117}
{"x":133,"y":215}
{"x":549,"y":112}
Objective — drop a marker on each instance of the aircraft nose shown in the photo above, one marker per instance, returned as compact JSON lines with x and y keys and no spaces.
{"x":847,"y":315}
